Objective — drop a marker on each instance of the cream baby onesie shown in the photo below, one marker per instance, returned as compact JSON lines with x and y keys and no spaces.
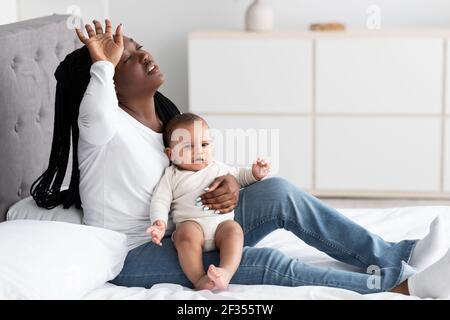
{"x":178,"y":189}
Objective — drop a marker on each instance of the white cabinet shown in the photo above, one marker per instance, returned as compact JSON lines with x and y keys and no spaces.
{"x":447,"y":156}
{"x":447,"y":82}
{"x":378,"y":154}
{"x":252,"y":75}
{"x":379,"y":75}
{"x":285,"y":140}
{"x":359,"y":113}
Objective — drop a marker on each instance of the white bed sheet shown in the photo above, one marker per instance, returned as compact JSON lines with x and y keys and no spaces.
{"x":392,"y":224}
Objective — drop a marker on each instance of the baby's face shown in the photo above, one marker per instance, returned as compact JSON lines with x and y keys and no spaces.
{"x":191,"y":147}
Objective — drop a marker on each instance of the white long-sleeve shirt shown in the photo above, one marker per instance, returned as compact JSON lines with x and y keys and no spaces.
{"x":120,"y":161}
{"x":178,"y":189}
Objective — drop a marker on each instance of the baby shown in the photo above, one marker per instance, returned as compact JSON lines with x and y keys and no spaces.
{"x":188,"y":145}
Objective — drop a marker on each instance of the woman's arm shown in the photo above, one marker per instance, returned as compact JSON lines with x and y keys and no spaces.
{"x":99,"y":106}
{"x":223,"y":194}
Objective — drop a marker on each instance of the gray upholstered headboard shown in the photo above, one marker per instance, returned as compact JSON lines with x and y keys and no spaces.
{"x":30,"y":51}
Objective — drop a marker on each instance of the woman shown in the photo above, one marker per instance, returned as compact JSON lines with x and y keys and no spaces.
{"x":107,"y":99}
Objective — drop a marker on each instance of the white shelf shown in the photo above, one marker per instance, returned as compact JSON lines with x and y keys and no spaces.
{"x":233,"y":34}
{"x":250,"y":76}
{"x":447,"y":75}
{"x":363,"y":113}
{"x":447,"y":156}
{"x":378,"y":154}
{"x":379,"y":76}
{"x":288,"y":140}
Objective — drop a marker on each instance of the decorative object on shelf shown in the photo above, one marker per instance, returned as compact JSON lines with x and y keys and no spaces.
{"x":332,"y":26}
{"x":259,"y":17}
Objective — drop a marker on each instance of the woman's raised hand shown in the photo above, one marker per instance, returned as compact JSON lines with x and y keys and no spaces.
{"x":103,"y":45}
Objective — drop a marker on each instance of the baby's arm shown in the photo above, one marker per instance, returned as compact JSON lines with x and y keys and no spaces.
{"x":160,"y":207}
{"x":260,"y":168}
{"x":247,"y":176}
{"x":157,"y":231}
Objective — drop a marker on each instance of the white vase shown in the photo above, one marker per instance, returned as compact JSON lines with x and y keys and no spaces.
{"x":259,"y":17}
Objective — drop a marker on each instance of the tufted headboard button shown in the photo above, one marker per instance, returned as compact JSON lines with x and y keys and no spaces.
{"x":58,"y":49}
{"x":19,"y":192}
{"x":16,"y":127}
{"x":14,"y":62}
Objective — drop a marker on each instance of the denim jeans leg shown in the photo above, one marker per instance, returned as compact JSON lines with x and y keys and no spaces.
{"x":276,"y":203}
{"x":272,"y":267}
{"x":150,"y":264}
{"x":264,"y":207}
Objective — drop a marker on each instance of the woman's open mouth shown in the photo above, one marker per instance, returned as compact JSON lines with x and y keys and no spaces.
{"x":152,"y":69}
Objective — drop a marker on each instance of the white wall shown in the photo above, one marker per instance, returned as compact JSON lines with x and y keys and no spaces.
{"x":162,"y":25}
{"x":8,"y":11}
{"x":28,"y":9}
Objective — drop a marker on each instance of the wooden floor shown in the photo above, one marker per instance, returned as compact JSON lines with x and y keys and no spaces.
{"x":381,"y":203}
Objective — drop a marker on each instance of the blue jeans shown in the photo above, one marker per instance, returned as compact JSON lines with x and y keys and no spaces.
{"x":272,"y":204}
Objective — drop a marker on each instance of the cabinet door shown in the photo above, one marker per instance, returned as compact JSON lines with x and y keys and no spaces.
{"x":251,"y":75}
{"x":379,"y":75}
{"x":447,"y":81}
{"x":285,"y":141}
{"x":447,"y":156}
{"x":378,"y":154}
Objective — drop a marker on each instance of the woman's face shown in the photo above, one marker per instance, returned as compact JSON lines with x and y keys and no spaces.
{"x":136,"y":74}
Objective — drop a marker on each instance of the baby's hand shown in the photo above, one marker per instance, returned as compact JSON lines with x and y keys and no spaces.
{"x":260,"y":168}
{"x":156,"y":231}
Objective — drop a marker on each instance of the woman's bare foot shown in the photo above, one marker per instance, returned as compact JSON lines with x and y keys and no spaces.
{"x":220,"y":276}
{"x":402,"y":288}
{"x":204,"y":283}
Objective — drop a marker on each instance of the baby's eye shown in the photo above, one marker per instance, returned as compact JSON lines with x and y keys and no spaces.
{"x":127,"y":59}
{"x":205,"y":144}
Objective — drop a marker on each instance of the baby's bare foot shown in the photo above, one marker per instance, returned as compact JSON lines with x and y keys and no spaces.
{"x":220,"y":276}
{"x":204,"y":283}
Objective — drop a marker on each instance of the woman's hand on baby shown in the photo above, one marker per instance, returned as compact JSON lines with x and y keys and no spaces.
{"x":260,"y":168}
{"x":103,"y":45}
{"x":156,"y":231}
{"x":222,"y":195}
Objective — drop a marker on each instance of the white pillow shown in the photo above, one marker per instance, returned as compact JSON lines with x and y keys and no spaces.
{"x":28,"y":209}
{"x":57,"y":260}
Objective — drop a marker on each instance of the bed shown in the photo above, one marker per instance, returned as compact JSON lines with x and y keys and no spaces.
{"x":392,"y":224}
{"x":27,"y":89}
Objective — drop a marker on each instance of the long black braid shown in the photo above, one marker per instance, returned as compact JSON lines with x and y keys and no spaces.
{"x":72,"y":76}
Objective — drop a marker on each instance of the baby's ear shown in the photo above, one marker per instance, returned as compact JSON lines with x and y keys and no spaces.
{"x":168,"y":152}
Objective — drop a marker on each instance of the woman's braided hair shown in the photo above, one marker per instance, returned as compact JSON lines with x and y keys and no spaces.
{"x":73,"y":76}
